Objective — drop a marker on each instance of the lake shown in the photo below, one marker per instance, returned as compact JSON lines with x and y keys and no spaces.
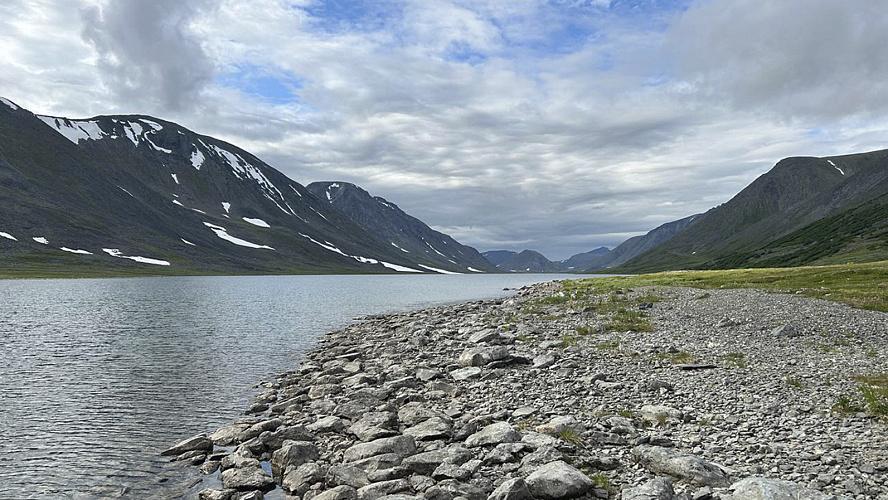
{"x":97,"y":376}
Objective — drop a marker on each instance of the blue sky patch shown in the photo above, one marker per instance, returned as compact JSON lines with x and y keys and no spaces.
{"x":275,"y":87}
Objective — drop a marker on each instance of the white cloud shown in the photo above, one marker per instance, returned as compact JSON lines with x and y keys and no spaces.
{"x":558,"y":126}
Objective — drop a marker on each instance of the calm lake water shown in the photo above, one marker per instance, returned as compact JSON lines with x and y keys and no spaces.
{"x":98,"y":376}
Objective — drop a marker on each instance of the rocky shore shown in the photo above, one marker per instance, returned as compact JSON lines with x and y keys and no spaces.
{"x":731,"y":394}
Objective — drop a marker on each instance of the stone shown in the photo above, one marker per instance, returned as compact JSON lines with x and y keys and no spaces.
{"x":524,"y":411}
{"x":292,"y":454}
{"x":403,"y":446}
{"x":378,"y":462}
{"x":399,"y":472}
{"x":787,"y":330}
{"x":433,"y":428}
{"x":461,"y":489}
{"x":426,"y":462}
{"x":275,"y":439}
{"x":338,"y":493}
{"x":658,"y":488}
{"x":536,"y":440}
{"x":762,"y":488}
{"x":557,"y":480}
{"x":345,"y":475}
{"x":487,"y":336}
{"x":247,"y":478}
{"x":298,"y":480}
{"x":230,"y":434}
{"x":466,"y":373}
{"x":258,"y":428}
{"x":424,"y":374}
{"x":375,"y":425}
{"x":511,"y":489}
{"x":543,"y":361}
{"x":196,"y":443}
{"x":213,"y":494}
{"x":480,"y":356}
{"x":376,"y":490}
{"x":451,"y":471}
{"x":494,"y":434}
{"x":416,"y":413}
{"x":680,"y":465}
{"x":660,"y":413}
{"x":561,"y":424}
{"x":327,"y":424}
{"x":248,"y":495}
{"x":541,"y":456}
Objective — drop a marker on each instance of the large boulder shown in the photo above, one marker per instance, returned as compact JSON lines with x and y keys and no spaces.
{"x":338,"y":493}
{"x":196,"y":443}
{"x":681,"y":465}
{"x":246,"y":479}
{"x":494,"y":434}
{"x":425,"y":463}
{"x":403,"y":446}
{"x":763,"y":488}
{"x":433,"y":428}
{"x":480,"y":356}
{"x":511,"y":489}
{"x":298,"y":480}
{"x":292,"y":454}
{"x":658,"y":488}
{"x":375,"y":425}
{"x":558,"y":480}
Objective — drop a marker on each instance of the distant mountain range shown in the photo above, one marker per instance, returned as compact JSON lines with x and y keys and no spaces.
{"x":804,"y":211}
{"x":137,"y":194}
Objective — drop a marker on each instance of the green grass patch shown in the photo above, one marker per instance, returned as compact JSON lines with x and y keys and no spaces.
{"x":625,"y":320}
{"x":737,"y":359}
{"x":676,"y":358}
{"x":858,"y":285}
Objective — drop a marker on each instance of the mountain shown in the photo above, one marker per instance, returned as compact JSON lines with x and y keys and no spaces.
{"x":592,"y":259}
{"x":136,"y":194}
{"x":529,"y":261}
{"x":429,"y":249}
{"x":795,"y":193}
{"x":497,"y":257}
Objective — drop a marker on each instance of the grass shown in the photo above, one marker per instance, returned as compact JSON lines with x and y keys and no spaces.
{"x":628,"y":320}
{"x":601,"y":481}
{"x":570,"y":436}
{"x":858,"y":285}
{"x":873,"y":397}
{"x":676,"y":358}
{"x":735,"y":358}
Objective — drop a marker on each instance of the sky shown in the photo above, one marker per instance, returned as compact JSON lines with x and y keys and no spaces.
{"x":554,"y":125}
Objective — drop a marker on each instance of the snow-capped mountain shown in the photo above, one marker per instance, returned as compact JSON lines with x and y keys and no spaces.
{"x":141,"y":193}
{"x":406,"y":233}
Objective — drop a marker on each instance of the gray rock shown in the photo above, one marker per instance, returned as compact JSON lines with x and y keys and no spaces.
{"x":466,"y":373}
{"x":460,"y":489}
{"x":377,"y":490}
{"x":403,"y":446}
{"x":339,"y":475}
{"x":338,"y":493}
{"x":680,"y":465}
{"x":275,"y":439}
{"x":375,"y":425}
{"x":426,"y":462}
{"x":659,"y":488}
{"x":433,"y":428}
{"x":542,"y":456}
{"x":298,"y":480}
{"x":489,"y":335}
{"x":660,"y":413}
{"x":480,"y":356}
{"x":511,"y":489}
{"x":248,"y":495}
{"x":560,"y":424}
{"x":543,"y":361}
{"x":292,"y":454}
{"x":762,"y":488}
{"x":247,"y":478}
{"x":213,"y":494}
{"x":494,"y":434}
{"x":378,"y":462}
{"x":399,"y":472}
{"x":451,"y":471}
{"x":416,"y":413}
{"x":537,"y":440}
{"x":258,"y":428}
{"x":230,"y":434}
{"x":786,"y":330}
{"x":558,"y":480}
{"x":196,"y":443}
{"x":327,"y":424}
{"x":424,"y":374}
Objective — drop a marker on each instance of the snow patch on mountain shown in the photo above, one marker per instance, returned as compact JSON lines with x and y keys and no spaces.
{"x":837,"y":168}
{"x":114,"y":252}
{"x":399,"y":248}
{"x":474,"y":270}
{"x":197,"y":158}
{"x":442,"y":271}
{"x":75,"y":131}
{"x":187,"y":242}
{"x":9,"y":103}
{"x":80,"y":252}
{"x":256,"y":222}
{"x":7,"y":236}
{"x":244,"y":170}
{"x":41,"y":240}
{"x":223,"y":233}
{"x":327,"y":245}
{"x":226,"y":206}
{"x":175,"y":178}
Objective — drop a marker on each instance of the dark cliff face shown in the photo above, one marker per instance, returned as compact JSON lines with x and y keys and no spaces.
{"x":497,"y":257}
{"x":87,"y":195}
{"x":795,"y":193}
{"x":407,"y":234}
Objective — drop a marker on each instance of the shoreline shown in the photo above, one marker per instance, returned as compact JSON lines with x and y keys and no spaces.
{"x":542,"y":396}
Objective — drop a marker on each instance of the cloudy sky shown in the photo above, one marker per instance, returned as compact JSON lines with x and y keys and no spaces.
{"x":556,"y":125}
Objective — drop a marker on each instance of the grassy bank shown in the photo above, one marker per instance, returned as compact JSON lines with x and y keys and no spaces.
{"x":864,"y":286}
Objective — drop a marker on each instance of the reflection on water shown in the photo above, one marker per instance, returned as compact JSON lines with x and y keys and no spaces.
{"x":98,"y":376}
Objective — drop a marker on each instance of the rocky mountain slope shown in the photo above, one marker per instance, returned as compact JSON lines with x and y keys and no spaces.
{"x":406,"y":233}
{"x":497,"y":257}
{"x":529,"y":261}
{"x":795,"y":193}
{"x":137,"y":194}
{"x":592,"y":259}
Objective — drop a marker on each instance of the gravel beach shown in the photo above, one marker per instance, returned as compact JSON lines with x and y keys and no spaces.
{"x":732,"y":394}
